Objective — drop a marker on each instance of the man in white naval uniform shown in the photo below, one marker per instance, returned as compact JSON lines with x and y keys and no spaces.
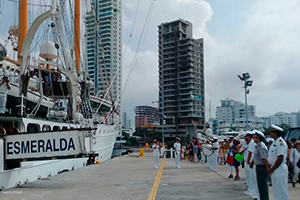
{"x":278,"y":169}
{"x":1,"y":72}
{"x":7,"y":73}
{"x":155,"y":148}
{"x":244,"y":151}
{"x":12,"y":75}
{"x":4,"y":87}
{"x":214,"y":157}
{"x":177,"y":149}
{"x":250,"y":173}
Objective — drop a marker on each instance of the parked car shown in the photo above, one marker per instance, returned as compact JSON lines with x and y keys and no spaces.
{"x":292,"y":133}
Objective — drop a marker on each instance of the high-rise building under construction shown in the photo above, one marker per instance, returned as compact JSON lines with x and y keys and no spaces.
{"x":181,"y":80}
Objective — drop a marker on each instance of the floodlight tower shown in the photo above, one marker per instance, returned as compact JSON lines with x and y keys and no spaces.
{"x":247,"y":83}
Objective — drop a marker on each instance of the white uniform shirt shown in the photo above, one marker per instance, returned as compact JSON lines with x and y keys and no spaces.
{"x":279,"y":147}
{"x":294,"y":157}
{"x":245,"y":146}
{"x":3,"y":89}
{"x":215,"y":145}
{"x":251,"y":148}
{"x":1,"y":74}
{"x":12,"y":76}
{"x":7,"y":73}
{"x":178,"y":147}
{"x":17,"y":78}
{"x":156,"y":150}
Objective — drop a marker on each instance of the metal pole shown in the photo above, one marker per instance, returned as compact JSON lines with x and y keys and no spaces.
{"x":246,"y":107}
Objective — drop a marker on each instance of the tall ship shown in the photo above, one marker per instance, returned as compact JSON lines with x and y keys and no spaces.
{"x":51,"y":120}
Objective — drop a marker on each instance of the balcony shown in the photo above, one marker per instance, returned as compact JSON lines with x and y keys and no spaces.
{"x":186,"y":71}
{"x":169,"y":101}
{"x":169,"y":84}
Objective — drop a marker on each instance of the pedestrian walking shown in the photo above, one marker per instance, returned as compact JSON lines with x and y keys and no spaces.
{"x":225,"y":150}
{"x":7,"y":73}
{"x":252,"y":189}
{"x":177,"y":149}
{"x":191,"y":152}
{"x":4,"y":87}
{"x":295,"y":158}
{"x":1,"y":72}
{"x":278,"y":169}
{"x":209,"y":158}
{"x":155,"y":147}
{"x":235,"y":150}
{"x":214,"y":157}
{"x":195,"y":149}
{"x":229,"y":158}
{"x":221,"y":153}
{"x":12,"y":75}
{"x":199,"y":150}
{"x":261,"y":163}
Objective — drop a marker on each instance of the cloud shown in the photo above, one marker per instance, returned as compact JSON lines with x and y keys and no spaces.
{"x":268,"y":49}
{"x":143,"y":86}
{"x":267,"y":46}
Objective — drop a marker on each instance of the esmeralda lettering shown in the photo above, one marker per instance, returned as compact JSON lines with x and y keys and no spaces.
{"x":39,"y":146}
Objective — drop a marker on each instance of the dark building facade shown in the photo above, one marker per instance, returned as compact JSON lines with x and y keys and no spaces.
{"x":181,"y":80}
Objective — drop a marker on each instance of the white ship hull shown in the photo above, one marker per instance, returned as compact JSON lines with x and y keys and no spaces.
{"x":101,"y":141}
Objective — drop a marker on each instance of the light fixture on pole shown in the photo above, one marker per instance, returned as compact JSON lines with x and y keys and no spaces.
{"x":247,"y":83}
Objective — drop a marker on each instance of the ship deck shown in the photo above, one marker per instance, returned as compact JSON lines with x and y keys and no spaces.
{"x":131,"y":177}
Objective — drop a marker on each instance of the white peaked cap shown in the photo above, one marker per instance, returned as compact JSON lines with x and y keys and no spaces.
{"x":259,"y":133}
{"x":277,"y":128}
{"x":250,"y":132}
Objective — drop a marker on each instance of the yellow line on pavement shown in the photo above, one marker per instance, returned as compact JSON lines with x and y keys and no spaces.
{"x":157,"y":180}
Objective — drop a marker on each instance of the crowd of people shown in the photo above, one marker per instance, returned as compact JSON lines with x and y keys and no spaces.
{"x":265,"y":164}
{"x":6,"y":76}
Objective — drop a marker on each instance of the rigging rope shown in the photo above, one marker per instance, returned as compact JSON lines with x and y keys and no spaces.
{"x":131,"y":32}
{"x":139,"y":46}
{"x":34,"y":4}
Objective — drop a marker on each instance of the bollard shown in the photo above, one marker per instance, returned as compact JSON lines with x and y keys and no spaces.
{"x":147,"y":146}
{"x":141,"y":152}
{"x":171,"y":152}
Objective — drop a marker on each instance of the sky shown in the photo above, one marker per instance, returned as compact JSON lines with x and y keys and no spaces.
{"x":261,"y":37}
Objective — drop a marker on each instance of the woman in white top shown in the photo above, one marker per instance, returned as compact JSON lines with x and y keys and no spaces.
{"x":294,"y":158}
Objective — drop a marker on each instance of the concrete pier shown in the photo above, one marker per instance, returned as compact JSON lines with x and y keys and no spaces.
{"x":131,"y":177}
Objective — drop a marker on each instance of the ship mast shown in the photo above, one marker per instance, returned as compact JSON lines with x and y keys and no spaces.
{"x":77,"y":33}
{"x":23,"y":25}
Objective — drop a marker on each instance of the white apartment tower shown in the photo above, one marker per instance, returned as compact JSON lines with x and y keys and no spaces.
{"x":232,"y":114}
{"x":104,"y":47}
